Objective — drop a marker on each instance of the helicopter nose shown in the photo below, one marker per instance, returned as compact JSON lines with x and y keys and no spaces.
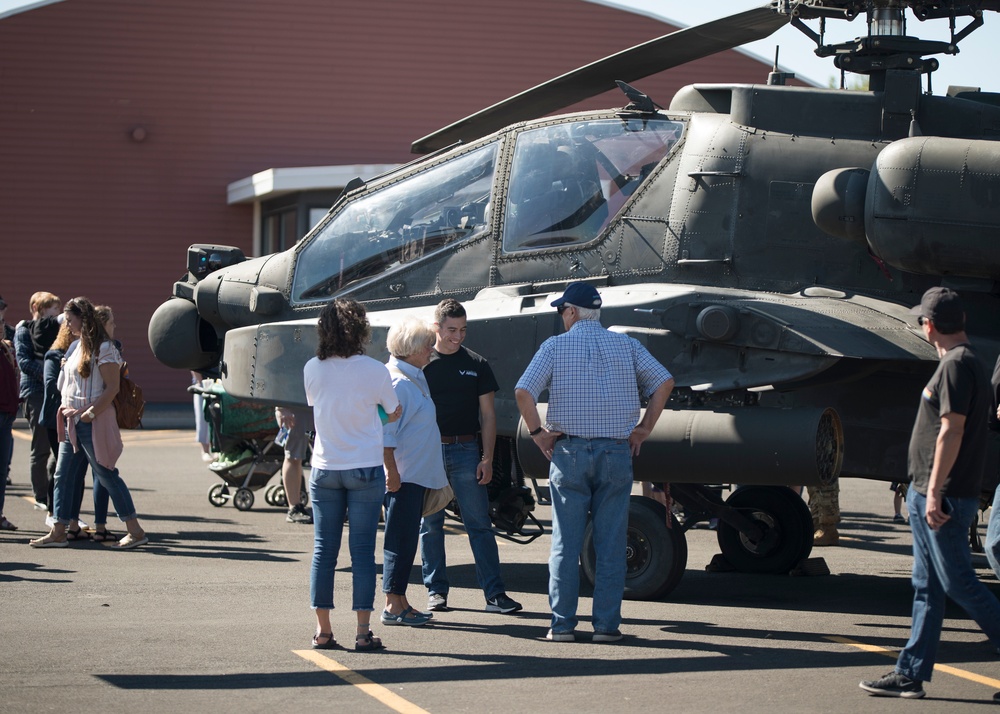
{"x":180,"y":338}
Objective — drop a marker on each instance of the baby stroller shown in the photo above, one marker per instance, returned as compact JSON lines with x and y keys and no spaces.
{"x":242,"y":434}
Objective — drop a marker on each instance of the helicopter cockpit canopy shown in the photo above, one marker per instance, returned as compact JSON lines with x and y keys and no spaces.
{"x":567,"y":182}
{"x":398,"y":224}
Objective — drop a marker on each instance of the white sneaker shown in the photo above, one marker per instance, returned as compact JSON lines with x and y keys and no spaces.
{"x":50,"y":521}
{"x":83,"y":524}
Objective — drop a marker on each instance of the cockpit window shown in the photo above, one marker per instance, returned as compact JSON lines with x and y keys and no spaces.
{"x":398,"y":224}
{"x":568,"y":181}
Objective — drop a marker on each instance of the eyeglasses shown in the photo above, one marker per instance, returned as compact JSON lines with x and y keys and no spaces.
{"x":920,"y":320}
{"x":563,"y":308}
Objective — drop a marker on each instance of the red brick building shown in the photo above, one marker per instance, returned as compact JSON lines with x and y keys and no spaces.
{"x":130,"y":129}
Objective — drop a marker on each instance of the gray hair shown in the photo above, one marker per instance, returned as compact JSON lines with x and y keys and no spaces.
{"x":409,"y":336}
{"x":586,"y":313}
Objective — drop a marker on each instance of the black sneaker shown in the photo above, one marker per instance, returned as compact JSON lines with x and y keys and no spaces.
{"x":298,"y":514}
{"x":895,"y":684}
{"x":501,"y":603}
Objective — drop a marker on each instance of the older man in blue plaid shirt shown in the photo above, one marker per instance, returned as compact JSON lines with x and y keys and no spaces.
{"x":595,"y":380}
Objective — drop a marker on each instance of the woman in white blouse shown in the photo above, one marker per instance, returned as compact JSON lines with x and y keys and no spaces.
{"x":88,"y":426}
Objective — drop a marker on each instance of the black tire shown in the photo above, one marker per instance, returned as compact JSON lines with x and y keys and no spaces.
{"x":218,"y":494}
{"x":786,"y":534}
{"x":269,"y":495}
{"x":279,"y":497}
{"x":805,"y":516}
{"x":243,"y":499}
{"x":656,"y":556}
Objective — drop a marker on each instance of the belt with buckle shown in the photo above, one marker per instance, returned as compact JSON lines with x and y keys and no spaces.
{"x":460,"y":439}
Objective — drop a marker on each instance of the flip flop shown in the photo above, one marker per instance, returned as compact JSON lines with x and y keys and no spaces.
{"x":129,"y":541}
{"x":48,"y":542}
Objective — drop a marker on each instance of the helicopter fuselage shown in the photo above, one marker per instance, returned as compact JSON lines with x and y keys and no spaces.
{"x":695,"y":223}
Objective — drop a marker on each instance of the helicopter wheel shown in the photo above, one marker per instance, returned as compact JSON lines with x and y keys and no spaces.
{"x":787,"y":536}
{"x":243,"y":499}
{"x":656,"y":556}
{"x":218,"y":494}
{"x":802,"y":508}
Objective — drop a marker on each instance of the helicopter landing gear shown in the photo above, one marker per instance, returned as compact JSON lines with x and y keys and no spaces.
{"x":655,"y":555}
{"x":779,"y":533}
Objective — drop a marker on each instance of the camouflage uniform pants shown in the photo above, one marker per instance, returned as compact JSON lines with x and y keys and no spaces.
{"x":824,"y":504}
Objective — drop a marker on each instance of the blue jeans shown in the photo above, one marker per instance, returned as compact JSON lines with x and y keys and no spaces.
{"x":942,"y":565}
{"x":356,"y":493}
{"x":6,"y":446}
{"x":993,"y":535}
{"x":402,"y":528}
{"x":595,"y":476}
{"x":71,"y":468}
{"x":460,"y":462}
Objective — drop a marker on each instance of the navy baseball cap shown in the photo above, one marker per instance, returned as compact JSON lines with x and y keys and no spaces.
{"x":942,"y":306}
{"x":581,"y":295}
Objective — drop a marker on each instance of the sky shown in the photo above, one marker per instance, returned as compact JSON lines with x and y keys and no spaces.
{"x":974,"y":65}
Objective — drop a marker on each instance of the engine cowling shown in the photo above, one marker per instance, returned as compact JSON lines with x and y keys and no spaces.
{"x":931,"y":206}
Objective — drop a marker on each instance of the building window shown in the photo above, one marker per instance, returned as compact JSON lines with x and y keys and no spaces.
{"x":279,"y":231}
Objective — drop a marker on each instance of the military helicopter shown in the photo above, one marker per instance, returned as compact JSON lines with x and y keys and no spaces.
{"x":763,"y":241}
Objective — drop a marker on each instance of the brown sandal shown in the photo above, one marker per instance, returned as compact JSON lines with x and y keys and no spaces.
{"x":368,"y":643}
{"x":330,"y":644}
{"x":104,"y":536}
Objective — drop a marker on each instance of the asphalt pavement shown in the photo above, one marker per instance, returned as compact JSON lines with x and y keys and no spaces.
{"x":213,"y":616}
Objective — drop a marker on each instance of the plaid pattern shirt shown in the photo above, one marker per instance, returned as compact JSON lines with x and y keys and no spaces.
{"x":595,"y":379}
{"x":30,"y":366}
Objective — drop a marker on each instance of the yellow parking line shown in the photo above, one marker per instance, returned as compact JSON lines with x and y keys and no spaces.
{"x":377,"y":691}
{"x":971,"y":676}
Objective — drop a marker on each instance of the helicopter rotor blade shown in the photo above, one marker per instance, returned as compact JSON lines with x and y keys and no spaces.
{"x":628,"y":65}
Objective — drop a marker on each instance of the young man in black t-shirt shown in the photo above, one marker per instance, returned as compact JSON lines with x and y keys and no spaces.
{"x":946,"y":460}
{"x":462,"y":387}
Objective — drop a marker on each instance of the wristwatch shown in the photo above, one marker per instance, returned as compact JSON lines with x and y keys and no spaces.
{"x":536,"y":432}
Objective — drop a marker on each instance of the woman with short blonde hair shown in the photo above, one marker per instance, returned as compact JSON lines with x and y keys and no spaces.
{"x":409,"y":336}
{"x":413,"y":464}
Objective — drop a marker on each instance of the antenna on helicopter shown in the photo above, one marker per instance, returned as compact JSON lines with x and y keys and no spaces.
{"x":775,"y":77}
